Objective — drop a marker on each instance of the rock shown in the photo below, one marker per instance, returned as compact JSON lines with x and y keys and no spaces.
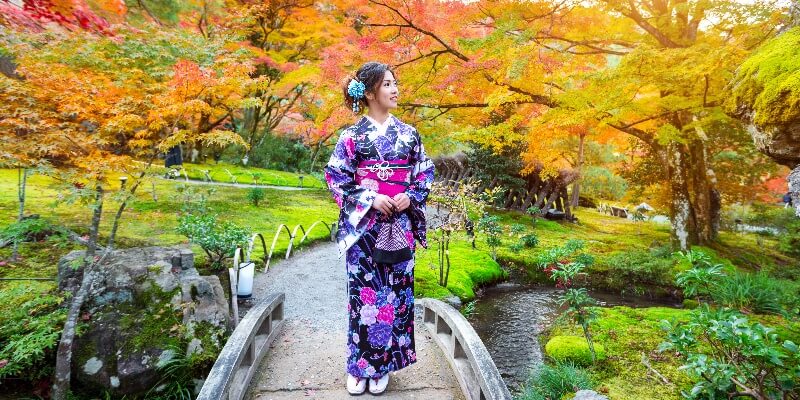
{"x":780,"y":142}
{"x":146,"y":308}
{"x":794,"y":188}
{"x":453,"y":301}
{"x":588,"y":395}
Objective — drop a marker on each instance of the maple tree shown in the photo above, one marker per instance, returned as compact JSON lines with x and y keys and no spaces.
{"x":645,"y":69}
{"x":89,"y":113}
{"x":286,"y":40}
{"x":37,"y":15}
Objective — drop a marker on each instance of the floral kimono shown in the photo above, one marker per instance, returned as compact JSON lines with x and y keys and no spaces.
{"x":381,"y":296}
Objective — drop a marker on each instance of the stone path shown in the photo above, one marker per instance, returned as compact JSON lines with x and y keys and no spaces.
{"x":307,"y":358}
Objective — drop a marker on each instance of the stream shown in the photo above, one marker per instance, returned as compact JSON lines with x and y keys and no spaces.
{"x":510,"y":317}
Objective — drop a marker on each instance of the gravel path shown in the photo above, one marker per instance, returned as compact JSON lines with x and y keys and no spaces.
{"x":307,"y":358}
{"x":238,"y":185}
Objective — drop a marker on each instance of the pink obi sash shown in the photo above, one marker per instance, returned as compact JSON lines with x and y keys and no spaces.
{"x":385,"y":177}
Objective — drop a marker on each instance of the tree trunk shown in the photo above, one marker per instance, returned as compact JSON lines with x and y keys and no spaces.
{"x":64,"y":353}
{"x":576,"y":187}
{"x":704,"y":203}
{"x":684,"y":226}
{"x":23,"y":179}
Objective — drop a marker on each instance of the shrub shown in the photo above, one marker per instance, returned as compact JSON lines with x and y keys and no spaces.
{"x":529,"y":240}
{"x":598,"y":182}
{"x":218,"y":240}
{"x":255,"y":195}
{"x":771,"y":215}
{"x":790,"y":240}
{"x":726,"y":355}
{"x":555,"y":381}
{"x":558,"y":254}
{"x":573,"y":349}
{"x":30,"y":327}
{"x":516,"y":247}
{"x":28,"y":230}
{"x":757,"y":214}
{"x":281,"y":153}
{"x":490,"y":226}
{"x":754,"y":292}
{"x":690,"y":304}
{"x":517,"y":229}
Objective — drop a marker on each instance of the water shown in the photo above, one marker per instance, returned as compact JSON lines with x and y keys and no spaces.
{"x":509,"y":319}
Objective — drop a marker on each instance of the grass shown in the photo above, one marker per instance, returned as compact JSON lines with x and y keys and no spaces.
{"x":149,"y":222}
{"x":152,"y":223}
{"x":607,"y":238}
{"x":250,"y":175}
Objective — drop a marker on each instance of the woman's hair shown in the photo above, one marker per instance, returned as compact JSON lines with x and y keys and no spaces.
{"x":371,"y":75}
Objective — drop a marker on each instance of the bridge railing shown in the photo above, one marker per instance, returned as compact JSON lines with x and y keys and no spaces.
{"x":237,"y":363}
{"x":473,"y":366}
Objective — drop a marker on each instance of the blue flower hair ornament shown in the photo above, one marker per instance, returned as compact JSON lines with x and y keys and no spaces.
{"x":356,"y":90}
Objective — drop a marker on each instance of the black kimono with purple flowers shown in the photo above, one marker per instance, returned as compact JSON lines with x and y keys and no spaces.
{"x":381,"y":296}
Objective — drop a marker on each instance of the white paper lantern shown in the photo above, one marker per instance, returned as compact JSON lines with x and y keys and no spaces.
{"x":244,"y":289}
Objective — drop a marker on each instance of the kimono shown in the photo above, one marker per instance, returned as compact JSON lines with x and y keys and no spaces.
{"x":380,"y":296}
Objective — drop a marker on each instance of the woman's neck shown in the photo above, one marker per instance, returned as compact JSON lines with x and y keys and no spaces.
{"x":379,"y":116}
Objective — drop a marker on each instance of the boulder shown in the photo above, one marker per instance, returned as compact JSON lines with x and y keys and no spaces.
{"x":588,"y":395}
{"x":146,"y":306}
{"x":794,"y":188}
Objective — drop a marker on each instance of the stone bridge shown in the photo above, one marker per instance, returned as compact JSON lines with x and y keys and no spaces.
{"x":291,"y":343}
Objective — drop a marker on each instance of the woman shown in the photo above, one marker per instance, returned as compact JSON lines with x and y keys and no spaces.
{"x":380,"y":178}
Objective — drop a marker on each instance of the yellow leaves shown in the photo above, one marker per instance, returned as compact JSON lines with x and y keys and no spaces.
{"x":176,"y":137}
{"x":126,"y":123}
{"x":221,"y":138}
{"x":303,"y":75}
{"x":501,"y":96}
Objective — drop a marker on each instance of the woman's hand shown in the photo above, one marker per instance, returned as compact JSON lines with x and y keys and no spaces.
{"x":402,"y":201}
{"x":384,"y":204}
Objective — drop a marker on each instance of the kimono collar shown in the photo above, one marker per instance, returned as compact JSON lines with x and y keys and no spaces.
{"x":381,"y":128}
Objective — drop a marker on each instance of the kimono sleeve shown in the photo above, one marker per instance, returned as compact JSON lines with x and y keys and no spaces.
{"x":418,"y":190}
{"x":421,"y":174}
{"x":353,"y":200}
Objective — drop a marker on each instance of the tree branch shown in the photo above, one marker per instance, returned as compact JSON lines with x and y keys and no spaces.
{"x":432,"y":35}
{"x":637,"y":17}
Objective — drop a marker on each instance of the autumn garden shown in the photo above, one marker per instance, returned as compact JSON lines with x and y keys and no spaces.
{"x":631,"y":166}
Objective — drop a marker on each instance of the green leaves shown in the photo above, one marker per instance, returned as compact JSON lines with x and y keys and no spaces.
{"x":218,"y":240}
{"x":726,"y":353}
{"x":698,"y":280}
{"x":490,"y":226}
{"x":30,"y":326}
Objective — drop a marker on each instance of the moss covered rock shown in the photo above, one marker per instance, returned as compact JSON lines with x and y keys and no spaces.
{"x":146,"y":307}
{"x":574,"y":349}
{"x":766,"y":95}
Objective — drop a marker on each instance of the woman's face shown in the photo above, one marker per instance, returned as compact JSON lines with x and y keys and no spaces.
{"x":385,"y":97}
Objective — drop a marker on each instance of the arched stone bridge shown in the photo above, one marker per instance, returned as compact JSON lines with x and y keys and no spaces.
{"x":290,"y":345}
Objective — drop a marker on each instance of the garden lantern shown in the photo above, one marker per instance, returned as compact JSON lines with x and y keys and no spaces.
{"x":244,"y":286}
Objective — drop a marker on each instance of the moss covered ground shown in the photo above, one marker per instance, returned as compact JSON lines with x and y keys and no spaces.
{"x":636,"y":257}
{"x":469,"y":268}
{"x":149,"y":222}
{"x":629,"y":256}
{"x":629,"y":333}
